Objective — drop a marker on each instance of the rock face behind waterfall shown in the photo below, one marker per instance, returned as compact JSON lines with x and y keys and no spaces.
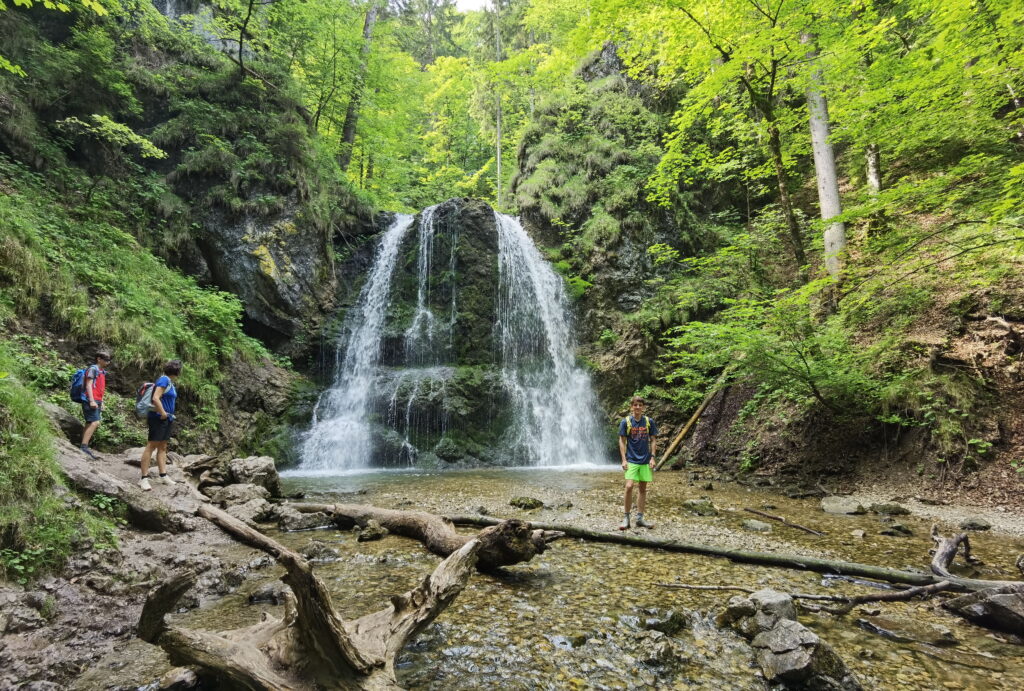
{"x":440,"y":402}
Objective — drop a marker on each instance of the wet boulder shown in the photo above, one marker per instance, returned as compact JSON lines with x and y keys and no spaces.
{"x":791,"y":654}
{"x":274,"y":593}
{"x":756,"y":526}
{"x":372,"y":531}
{"x":842,"y":505}
{"x":526,"y":503}
{"x":319,"y":551}
{"x":999,"y":608}
{"x":758,"y":612}
{"x":256,"y":470}
{"x":700,"y":507}
{"x":975,"y":524}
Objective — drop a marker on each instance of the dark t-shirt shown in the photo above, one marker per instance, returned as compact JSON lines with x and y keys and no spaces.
{"x":167,"y":398}
{"x":638,"y":439}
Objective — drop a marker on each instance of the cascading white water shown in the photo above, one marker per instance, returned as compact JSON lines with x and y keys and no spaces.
{"x":551,"y":416}
{"x":554,"y":406}
{"x":338,"y":439}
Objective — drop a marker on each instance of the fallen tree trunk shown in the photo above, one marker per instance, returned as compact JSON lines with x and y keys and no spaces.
{"x":312,"y":647}
{"x":788,"y":561}
{"x":438,"y":534}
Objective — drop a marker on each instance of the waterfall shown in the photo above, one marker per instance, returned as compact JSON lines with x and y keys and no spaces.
{"x":338,"y":439}
{"x":408,"y":392}
{"x":554,"y":407}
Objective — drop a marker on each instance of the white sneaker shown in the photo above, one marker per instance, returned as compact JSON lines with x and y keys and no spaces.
{"x":144,"y":484}
{"x":165,"y":480}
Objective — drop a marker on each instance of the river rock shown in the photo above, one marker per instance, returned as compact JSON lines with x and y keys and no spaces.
{"x":857,"y":533}
{"x":896,"y":530}
{"x":758,"y":612}
{"x":999,"y":608}
{"x":274,"y":593}
{"x":289,"y":518}
{"x":21,"y":619}
{"x":757,"y":526}
{"x":526,"y":503}
{"x":372,"y":531}
{"x":792,"y":654}
{"x":700,"y":507}
{"x":907,"y":629}
{"x":254,"y":511}
{"x":670,"y":624}
{"x":890,"y":509}
{"x":975,"y":524}
{"x":319,"y":551}
{"x":842,"y":505}
{"x":239,"y":494}
{"x":256,"y":470}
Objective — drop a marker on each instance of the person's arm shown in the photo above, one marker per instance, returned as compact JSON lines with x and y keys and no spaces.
{"x":622,"y":451}
{"x":158,"y":405}
{"x":654,"y":450}
{"x":89,"y":382}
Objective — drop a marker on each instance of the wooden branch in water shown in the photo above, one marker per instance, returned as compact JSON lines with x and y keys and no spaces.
{"x":519,"y":541}
{"x":946,"y":549}
{"x":782,"y":560}
{"x":782,"y":520}
{"x":849,"y":601}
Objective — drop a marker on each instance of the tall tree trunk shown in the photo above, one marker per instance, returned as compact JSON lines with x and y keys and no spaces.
{"x":873,"y":165}
{"x":825,"y":169}
{"x":348,"y":130}
{"x":795,"y":238}
{"x":497,"y":98}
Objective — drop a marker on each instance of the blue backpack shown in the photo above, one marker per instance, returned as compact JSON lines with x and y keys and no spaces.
{"x":78,"y":386}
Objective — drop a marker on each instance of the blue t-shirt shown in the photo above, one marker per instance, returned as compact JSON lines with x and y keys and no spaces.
{"x":167,"y":398}
{"x":638,"y":439}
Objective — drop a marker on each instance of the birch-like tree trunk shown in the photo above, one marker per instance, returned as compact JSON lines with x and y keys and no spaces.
{"x":873,"y":165}
{"x":825,"y":169}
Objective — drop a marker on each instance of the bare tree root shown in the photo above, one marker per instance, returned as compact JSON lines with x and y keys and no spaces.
{"x":312,"y":646}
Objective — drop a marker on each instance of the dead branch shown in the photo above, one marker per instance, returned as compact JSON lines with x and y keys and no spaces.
{"x":313,"y":647}
{"x":782,"y":520}
{"x":778,"y":559}
{"x":946,"y":549}
{"x":438,"y":535}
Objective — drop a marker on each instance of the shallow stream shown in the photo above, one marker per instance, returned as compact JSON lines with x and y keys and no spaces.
{"x":587,"y":615}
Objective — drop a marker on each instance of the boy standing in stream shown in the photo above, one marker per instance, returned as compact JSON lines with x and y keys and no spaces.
{"x":637,"y":438}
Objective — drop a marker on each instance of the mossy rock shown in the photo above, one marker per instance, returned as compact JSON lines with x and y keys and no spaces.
{"x":528,"y":503}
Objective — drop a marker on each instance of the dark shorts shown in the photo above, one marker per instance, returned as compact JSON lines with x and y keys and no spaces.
{"x":92,"y":414}
{"x":159,"y":430}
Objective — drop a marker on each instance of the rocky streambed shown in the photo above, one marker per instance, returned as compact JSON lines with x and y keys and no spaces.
{"x":582,"y":615}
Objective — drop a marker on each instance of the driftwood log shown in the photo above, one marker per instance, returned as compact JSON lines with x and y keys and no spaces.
{"x":438,"y":534}
{"x":779,"y":559}
{"x":312,"y":646}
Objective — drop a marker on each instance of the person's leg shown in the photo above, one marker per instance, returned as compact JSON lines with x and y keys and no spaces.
{"x":89,"y":430}
{"x":644,"y":478}
{"x":161,"y":459}
{"x":627,"y":503}
{"x":147,"y":453}
{"x":641,"y":500}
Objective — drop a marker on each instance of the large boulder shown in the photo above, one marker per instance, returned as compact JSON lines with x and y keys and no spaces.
{"x":792,"y":654}
{"x":256,"y":470}
{"x":842,"y":505}
{"x":254,"y":511}
{"x":69,"y":425}
{"x":999,"y":608}
{"x":758,"y":612}
{"x":239,"y":494}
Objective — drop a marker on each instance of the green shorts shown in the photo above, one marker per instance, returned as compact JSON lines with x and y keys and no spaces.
{"x":638,"y":472}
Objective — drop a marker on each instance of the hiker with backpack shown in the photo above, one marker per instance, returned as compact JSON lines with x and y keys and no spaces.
{"x":93,"y":383}
{"x":161,"y":414}
{"x":637,"y":437}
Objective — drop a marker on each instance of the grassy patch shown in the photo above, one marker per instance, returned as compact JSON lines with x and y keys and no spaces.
{"x":41,"y":522}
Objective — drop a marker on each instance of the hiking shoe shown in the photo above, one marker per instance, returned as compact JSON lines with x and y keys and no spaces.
{"x":641,"y":523}
{"x":165,"y":480}
{"x":144,"y":484}
{"x":88,"y":452}
{"x":625,"y":524}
